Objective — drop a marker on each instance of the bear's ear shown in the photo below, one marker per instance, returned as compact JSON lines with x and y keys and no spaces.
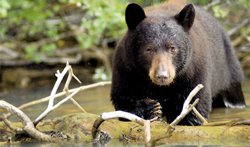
{"x":134,"y":15}
{"x":186,"y":17}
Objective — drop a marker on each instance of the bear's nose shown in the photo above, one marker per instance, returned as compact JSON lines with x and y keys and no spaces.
{"x":162,"y":76}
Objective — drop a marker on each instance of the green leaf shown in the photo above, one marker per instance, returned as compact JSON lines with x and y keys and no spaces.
{"x":219,"y":12}
{"x":49,"y":49}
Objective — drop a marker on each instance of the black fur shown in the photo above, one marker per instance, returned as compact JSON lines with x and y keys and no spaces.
{"x":205,"y":56}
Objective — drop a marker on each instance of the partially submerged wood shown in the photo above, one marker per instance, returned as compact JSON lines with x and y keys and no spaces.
{"x":28,"y":126}
{"x":78,"y":129}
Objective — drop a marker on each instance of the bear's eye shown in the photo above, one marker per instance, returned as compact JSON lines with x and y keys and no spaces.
{"x":173,"y":49}
{"x":150,"y":50}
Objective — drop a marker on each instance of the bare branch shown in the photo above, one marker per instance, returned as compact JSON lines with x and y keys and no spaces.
{"x":184,"y":113}
{"x":186,"y":106}
{"x":126,"y":115}
{"x":191,"y":95}
{"x":66,"y":88}
{"x":197,"y":113}
{"x":147,"y":133}
{"x":238,"y":27}
{"x":8,"y":124}
{"x":29,"y":128}
{"x":10,"y":54}
{"x":122,"y":114}
{"x":65,"y":99}
{"x":53,"y":93}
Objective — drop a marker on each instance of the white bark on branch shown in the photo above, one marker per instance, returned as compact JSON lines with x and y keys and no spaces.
{"x":121,"y":114}
{"x":53,"y":93}
{"x":29,"y":127}
{"x":187,"y":107}
{"x":51,"y":105}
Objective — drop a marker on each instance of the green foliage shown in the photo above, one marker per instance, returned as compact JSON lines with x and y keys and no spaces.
{"x":40,"y":25}
{"x":101,"y":21}
{"x":200,"y":2}
{"x":31,"y":52}
{"x":219,"y":12}
{"x":245,"y":3}
{"x":146,"y":2}
{"x":37,"y":28}
{"x":4,"y":6}
{"x":26,"y":22}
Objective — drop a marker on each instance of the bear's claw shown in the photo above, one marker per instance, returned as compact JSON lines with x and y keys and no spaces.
{"x":153,"y":109}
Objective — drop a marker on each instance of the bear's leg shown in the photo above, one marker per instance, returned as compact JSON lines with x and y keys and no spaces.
{"x":233,"y":96}
{"x":204,"y":106}
{"x":218,"y":101}
{"x":171,"y":109}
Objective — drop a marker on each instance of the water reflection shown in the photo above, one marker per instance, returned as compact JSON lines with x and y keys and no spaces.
{"x":97,"y":100}
{"x":228,"y":114}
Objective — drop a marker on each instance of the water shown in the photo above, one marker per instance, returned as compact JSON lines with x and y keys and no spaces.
{"x":229,"y":114}
{"x":97,"y":100}
{"x":94,"y":100}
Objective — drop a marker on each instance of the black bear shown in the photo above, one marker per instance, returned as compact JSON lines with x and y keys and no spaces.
{"x":167,"y":51}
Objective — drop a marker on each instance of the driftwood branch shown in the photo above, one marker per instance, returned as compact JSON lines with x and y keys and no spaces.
{"x":187,"y":107}
{"x":29,"y":127}
{"x":66,"y":88}
{"x":184,"y":113}
{"x":51,"y":105}
{"x":126,"y":115}
{"x":9,"y":124}
{"x":52,"y":95}
{"x":197,"y":113}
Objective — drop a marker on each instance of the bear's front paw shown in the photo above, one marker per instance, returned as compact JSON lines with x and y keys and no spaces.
{"x":152,"y":109}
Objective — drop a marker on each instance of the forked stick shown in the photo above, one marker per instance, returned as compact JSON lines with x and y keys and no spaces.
{"x":51,"y":105}
{"x":187,"y":107}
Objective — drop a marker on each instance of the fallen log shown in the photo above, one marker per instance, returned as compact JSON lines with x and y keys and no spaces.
{"x":78,"y":127}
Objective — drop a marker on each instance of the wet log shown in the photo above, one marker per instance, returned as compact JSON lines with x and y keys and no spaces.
{"x":78,"y":127}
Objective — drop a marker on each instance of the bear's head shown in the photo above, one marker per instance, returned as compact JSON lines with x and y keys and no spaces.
{"x":160,"y":44}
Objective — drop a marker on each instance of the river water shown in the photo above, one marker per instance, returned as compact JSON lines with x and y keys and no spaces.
{"x":97,"y":100}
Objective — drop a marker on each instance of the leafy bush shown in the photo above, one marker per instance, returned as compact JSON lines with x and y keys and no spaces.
{"x":37,"y":28}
